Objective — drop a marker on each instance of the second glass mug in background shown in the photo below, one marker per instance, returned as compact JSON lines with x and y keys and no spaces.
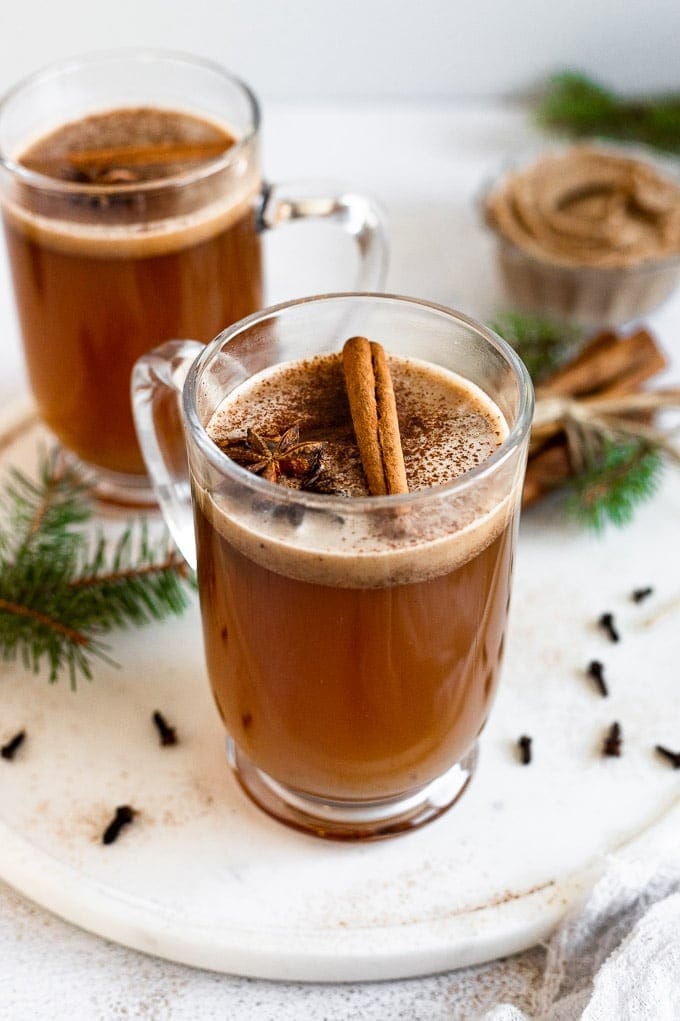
{"x":103,"y":273}
{"x":353,"y":645}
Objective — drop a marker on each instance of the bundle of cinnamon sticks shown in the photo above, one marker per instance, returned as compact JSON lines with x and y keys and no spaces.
{"x":609,"y":366}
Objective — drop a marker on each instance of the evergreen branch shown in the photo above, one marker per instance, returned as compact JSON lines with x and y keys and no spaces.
{"x":580,"y":107}
{"x":39,"y":513}
{"x":141,"y":582}
{"x":60,"y":590}
{"x":41,"y":618}
{"x":543,"y":343}
{"x":619,"y":473}
{"x":173,"y":561}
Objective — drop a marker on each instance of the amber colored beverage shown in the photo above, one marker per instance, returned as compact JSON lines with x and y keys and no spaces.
{"x":348,"y":692}
{"x":103,"y":277}
{"x":359,"y":675}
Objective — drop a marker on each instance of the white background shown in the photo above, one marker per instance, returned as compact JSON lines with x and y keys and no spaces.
{"x":368,"y":91}
{"x":340,"y":49}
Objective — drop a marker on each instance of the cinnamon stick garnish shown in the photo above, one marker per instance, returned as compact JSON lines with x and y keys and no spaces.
{"x":159,"y":154}
{"x":374,"y":416}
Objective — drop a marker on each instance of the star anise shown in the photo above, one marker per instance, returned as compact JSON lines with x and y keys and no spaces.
{"x":323,"y":482}
{"x":277,"y":457}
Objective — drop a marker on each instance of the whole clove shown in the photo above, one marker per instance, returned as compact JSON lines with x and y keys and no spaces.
{"x":167,"y":734}
{"x":124,"y":815}
{"x":606,"y":622}
{"x":596,"y":671}
{"x":672,"y":757}
{"x":524,"y":744}
{"x":613,"y":741}
{"x":9,"y":750}
{"x":639,"y":594}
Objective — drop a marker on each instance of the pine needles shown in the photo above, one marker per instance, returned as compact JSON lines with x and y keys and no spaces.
{"x":60,"y":589}
{"x":581,"y":107}
{"x":543,"y":343}
{"x":621,"y":474}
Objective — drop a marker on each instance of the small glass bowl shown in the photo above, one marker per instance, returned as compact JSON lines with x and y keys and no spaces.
{"x":594,"y":296}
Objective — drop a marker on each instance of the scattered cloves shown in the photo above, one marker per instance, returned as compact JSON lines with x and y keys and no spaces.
{"x":596,"y":671}
{"x":606,"y":622}
{"x":672,"y":757}
{"x":124,"y":815}
{"x":9,"y":750}
{"x":524,"y":744}
{"x":167,"y":734}
{"x":638,"y":594}
{"x":613,"y":741}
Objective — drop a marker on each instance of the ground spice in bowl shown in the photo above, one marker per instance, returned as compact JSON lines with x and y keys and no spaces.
{"x":588,"y":232}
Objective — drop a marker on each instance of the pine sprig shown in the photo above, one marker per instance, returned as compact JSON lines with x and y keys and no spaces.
{"x":61,"y":590}
{"x":543,"y":343}
{"x":581,"y":107}
{"x":38,"y":514}
{"x":138,"y":583}
{"x":619,"y":474}
{"x":616,"y":463}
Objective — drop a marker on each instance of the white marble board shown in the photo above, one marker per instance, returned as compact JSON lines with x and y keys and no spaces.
{"x":203,"y":877}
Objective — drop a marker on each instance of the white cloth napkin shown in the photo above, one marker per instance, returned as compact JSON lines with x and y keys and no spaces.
{"x":617,"y":956}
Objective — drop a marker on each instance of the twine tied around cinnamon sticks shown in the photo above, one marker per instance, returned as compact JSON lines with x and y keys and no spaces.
{"x":597,"y":393}
{"x":608,"y":415}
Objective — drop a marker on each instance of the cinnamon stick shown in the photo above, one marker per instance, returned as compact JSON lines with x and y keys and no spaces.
{"x":609,"y":366}
{"x":133,"y":155}
{"x":374,"y":416}
{"x":607,"y":361}
{"x":545,"y":471}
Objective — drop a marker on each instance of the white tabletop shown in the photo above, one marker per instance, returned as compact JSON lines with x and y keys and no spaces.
{"x":426,"y":165}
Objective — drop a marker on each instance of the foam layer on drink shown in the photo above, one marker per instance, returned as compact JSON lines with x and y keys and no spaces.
{"x":114,"y":151}
{"x":448,"y":426}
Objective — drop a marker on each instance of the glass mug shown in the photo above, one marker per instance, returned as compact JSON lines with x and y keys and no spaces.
{"x":102,"y":272}
{"x":353,"y":645}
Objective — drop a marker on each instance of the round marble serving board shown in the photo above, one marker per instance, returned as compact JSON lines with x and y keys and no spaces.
{"x":203,"y":877}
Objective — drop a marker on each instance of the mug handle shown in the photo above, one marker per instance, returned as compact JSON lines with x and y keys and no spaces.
{"x":158,"y":377}
{"x":355,"y":214}
{"x":156,"y":390}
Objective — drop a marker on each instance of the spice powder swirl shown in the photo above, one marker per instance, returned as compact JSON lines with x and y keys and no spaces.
{"x":588,"y":207}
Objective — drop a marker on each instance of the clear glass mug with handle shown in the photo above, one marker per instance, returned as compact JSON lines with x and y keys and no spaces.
{"x":353,"y":645}
{"x":109,"y":257}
